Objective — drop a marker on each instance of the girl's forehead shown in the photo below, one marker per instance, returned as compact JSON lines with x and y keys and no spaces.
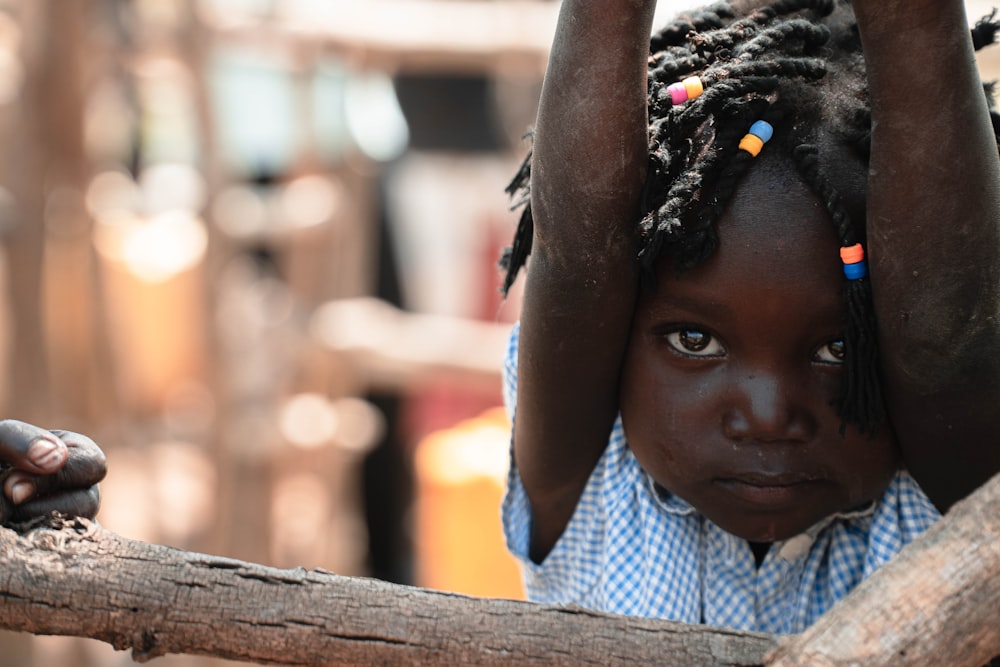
{"x":775,"y":233}
{"x":777,"y":264}
{"x":773,"y":176}
{"x":771,"y":190}
{"x":775,"y":180}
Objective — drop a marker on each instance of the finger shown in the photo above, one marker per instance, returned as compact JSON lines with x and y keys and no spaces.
{"x":31,"y":448}
{"x":81,"y":502}
{"x":19,"y":486}
{"x":86,"y":465}
{"x":82,"y":471}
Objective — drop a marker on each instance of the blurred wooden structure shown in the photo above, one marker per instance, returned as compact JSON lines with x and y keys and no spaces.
{"x":482,"y":36}
{"x":186,"y":379}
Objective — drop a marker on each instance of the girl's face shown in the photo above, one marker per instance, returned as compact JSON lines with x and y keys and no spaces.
{"x":731,"y":369}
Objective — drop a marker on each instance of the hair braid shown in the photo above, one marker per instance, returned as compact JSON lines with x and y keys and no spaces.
{"x":675,"y":34}
{"x":860,"y":398}
{"x":984,"y":32}
{"x":516,"y":256}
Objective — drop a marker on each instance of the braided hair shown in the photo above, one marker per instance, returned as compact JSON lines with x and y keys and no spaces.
{"x":796,"y":64}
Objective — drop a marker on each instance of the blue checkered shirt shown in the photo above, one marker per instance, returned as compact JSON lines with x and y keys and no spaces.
{"x":629,"y":549}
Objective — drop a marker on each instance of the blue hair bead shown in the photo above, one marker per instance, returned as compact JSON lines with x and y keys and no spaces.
{"x":763,"y":130}
{"x":856,"y":270}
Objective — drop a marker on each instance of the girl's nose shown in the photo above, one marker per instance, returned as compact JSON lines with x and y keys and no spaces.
{"x":765,"y":408}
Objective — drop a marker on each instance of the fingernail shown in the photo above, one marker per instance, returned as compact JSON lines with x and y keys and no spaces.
{"x":45,"y":453}
{"x":21,"y":491}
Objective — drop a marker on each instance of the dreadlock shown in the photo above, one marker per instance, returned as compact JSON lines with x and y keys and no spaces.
{"x":797,"y":64}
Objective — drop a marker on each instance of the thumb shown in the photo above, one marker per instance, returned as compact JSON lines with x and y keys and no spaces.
{"x":31,"y":448}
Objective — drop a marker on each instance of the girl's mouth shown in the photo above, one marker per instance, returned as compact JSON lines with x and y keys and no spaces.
{"x":767,"y":489}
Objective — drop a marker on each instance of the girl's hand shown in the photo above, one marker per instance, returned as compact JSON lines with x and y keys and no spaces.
{"x":43,"y":471}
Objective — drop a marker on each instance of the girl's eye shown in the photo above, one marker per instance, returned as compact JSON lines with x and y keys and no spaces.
{"x":831,"y":353}
{"x":694,"y":342}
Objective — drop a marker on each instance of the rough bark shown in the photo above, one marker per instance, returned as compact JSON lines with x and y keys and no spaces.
{"x":935,"y":604}
{"x":84,"y":581}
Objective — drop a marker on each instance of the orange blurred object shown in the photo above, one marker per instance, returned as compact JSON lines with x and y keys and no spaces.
{"x":461,"y":474}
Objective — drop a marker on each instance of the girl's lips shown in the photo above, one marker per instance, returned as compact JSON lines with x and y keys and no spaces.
{"x":772,"y":490}
{"x":771,"y":479}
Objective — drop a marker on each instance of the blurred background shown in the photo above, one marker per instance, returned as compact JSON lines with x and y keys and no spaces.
{"x":249,"y":246}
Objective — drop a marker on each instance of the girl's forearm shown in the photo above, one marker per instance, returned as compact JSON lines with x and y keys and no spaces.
{"x":934,"y":241}
{"x":587,"y":173}
{"x":591,"y":134}
{"x":934,"y":191}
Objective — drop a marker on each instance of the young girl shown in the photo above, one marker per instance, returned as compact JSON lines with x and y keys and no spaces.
{"x":709,"y":427}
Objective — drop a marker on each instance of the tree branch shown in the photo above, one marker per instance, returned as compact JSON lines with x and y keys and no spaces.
{"x":934,"y":604}
{"x":77,"y":579}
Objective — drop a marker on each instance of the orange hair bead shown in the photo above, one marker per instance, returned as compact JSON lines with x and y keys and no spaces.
{"x":852,"y":254}
{"x":752,"y":144}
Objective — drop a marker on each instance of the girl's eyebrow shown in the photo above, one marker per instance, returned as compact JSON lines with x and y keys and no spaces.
{"x":693,"y":303}
{"x":690,"y":303}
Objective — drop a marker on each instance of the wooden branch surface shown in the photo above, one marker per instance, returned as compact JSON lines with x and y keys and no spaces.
{"x":81,"y":580}
{"x":935,"y":604}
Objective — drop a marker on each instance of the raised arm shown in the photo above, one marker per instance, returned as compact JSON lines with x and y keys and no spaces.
{"x":588,"y":169}
{"x":934,"y":241}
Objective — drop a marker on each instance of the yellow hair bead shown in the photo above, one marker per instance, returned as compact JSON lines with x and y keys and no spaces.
{"x":752,"y":144}
{"x":693,"y":87}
